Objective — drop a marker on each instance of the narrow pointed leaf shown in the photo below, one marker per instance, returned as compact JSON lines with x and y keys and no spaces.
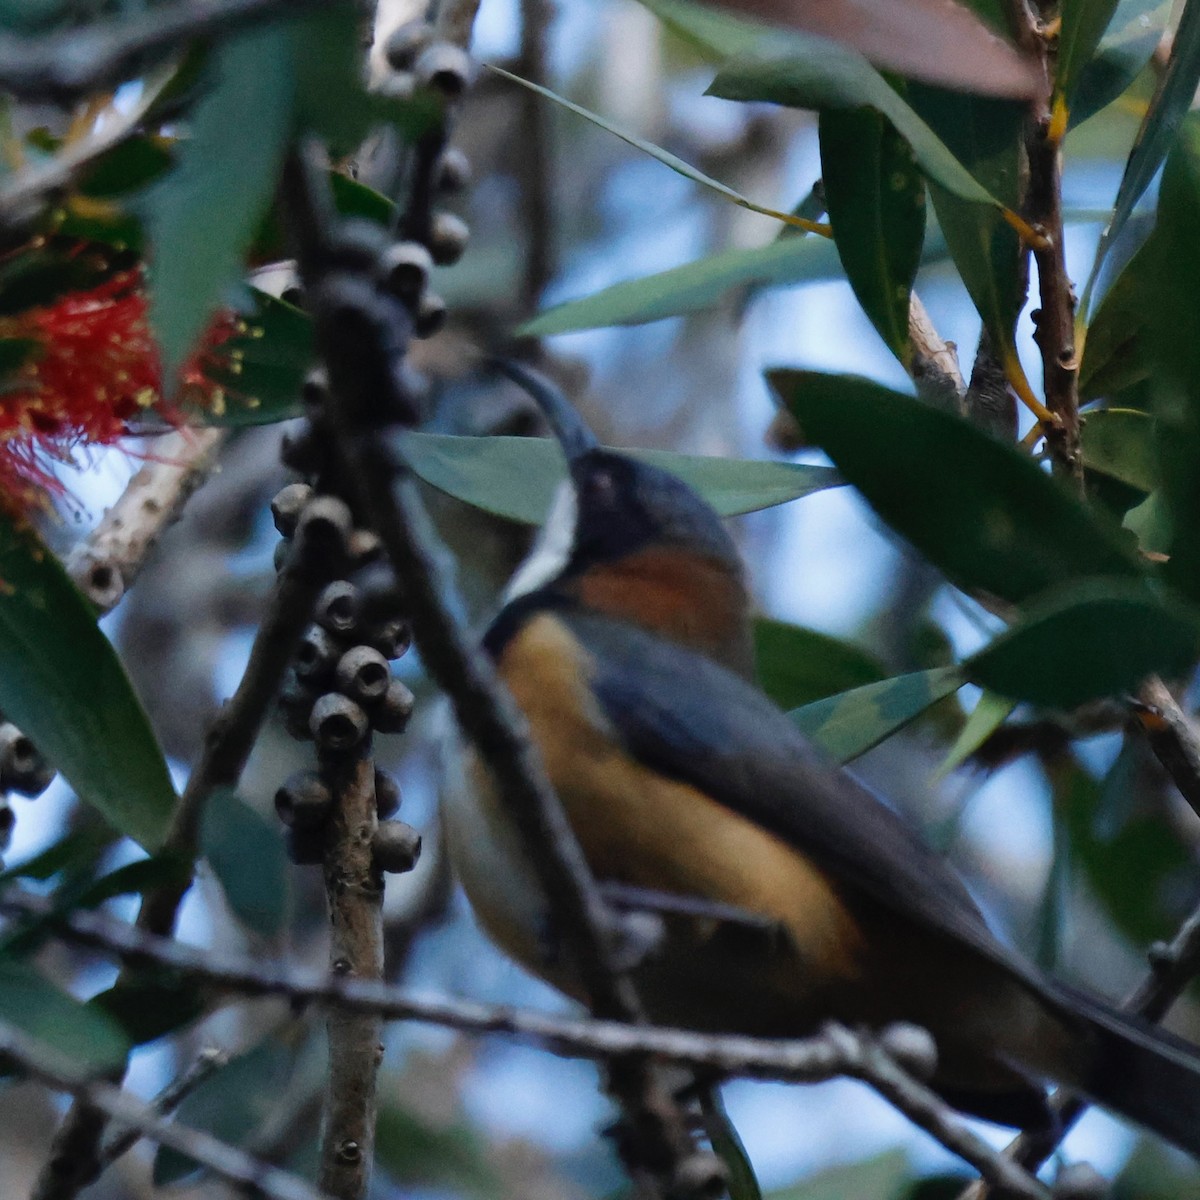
{"x":1135,"y":30}
{"x":986,"y":137}
{"x":1088,"y":640}
{"x":1083,"y":25}
{"x":926,"y":39}
{"x":829,"y":76}
{"x":1174,"y":96}
{"x":1120,"y":443}
{"x":796,"y":665}
{"x":665,"y":157}
{"x":62,"y":683}
{"x":980,"y":510}
{"x":986,"y":717}
{"x":1116,"y":351}
{"x":695,"y":286}
{"x":38,"y":1008}
{"x":516,"y":477}
{"x":202,"y":218}
{"x":848,"y":725}
{"x":876,"y":202}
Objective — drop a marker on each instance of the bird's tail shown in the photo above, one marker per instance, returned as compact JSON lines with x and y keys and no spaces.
{"x":1139,"y":1071}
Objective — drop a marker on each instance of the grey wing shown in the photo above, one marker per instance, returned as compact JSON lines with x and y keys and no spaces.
{"x":691,"y":719}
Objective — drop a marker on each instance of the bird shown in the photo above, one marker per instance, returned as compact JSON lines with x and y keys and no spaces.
{"x":786,"y":893}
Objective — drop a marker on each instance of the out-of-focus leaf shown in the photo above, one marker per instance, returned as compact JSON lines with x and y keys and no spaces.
{"x":1167,"y":110}
{"x":1131,"y":864}
{"x":986,"y":137}
{"x":740,"y":1180}
{"x":981,"y":511}
{"x":414,"y":1152}
{"x":516,"y":477}
{"x":945,"y":43}
{"x":1150,"y":522}
{"x":149,"y":1008}
{"x":246,"y":854}
{"x":85,"y":1037}
{"x":1115,"y":353}
{"x":694,"y":286}
{"x":796,"y":665}
{"x":131,"y":164}
{"x":201,"y":219}
{"x":1120,"y":443}
{"x":62,"y":683}
{"x":876,"y":202}
{"x":230,"y":1104}
{"x":262,"y":368}
{"x":829,"y":76}
{"x":848,"y":725}
{"x":1135,"y":30}
{"x":882,"y":1177}
{"x":1083,"y":25}
{"x":72,"y":850}
{"x":1087,"y":640}
{"x":38,"y":279}
{"x":657,"y":152}
{"x":986,"y":717}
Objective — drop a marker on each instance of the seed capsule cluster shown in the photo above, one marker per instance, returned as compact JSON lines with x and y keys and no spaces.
{"x":22,"y":770}
{"x":339,"y":689}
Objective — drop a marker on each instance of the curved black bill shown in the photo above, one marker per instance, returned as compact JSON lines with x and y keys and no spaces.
{"x":573,"y":435}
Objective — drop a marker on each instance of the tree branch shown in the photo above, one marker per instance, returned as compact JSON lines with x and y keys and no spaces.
{"x":1172,"y":737}
{"x":362,"y":333}
{"x":74,"y":1157}
{"x":835,"y":1051}
{"x":43,"y":1064}
{"x":105,"y":564}
{"x":62,"y":66}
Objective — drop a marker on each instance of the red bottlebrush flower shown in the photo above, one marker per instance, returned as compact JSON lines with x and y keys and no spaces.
{"x":94,"y":367}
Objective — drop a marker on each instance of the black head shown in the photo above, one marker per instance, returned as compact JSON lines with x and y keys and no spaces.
{"x":616,"y":505}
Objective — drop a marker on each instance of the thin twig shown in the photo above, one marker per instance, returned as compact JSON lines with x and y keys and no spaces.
{"x":74,"y":1155}
{"x":1172,"y":737}
{"x":535,"y":173}
{"x":835,"y":1051}
{"x":105,"y":563}
{"x":166,"y":1102}
{"x":354,"y":890}
{"x":64,"y":65}
{"x":47,"y":1066}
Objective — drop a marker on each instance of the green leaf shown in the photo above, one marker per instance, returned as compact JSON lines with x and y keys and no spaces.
{"x":131,"y":164}
{"x":876,"y":202}
{"x":230,"y":1104}
{"x":413,"y":1151}
{"x":828,"y":75}
{"x":202,"y":218}
{"x":68,"y":853}
{"x":261,"y":369}
{"x":1133,"y":33}
{"x":986,"y":717}
{"x":1120,"y":443}
{"x":714,"y":34}
{"x":1132,"y":860}
{"x":246,"y":853}
{"x":1087,"y":640}
{"x":984,"y":513}
{"x":663,"y":156}
{"x":1083,"y":25}
{"x":796,"y":665}
{"x":1176,"y":89}
{"x":1116,"y":353}
{"x":848,"y":725}
{"x":150,"y":1007}
{"x":1174,"y":261}
{"x":881,"y":1177}
{"x":694,"y":286}
{"x":516,"y":477}
{"x":38,"y":1008}
{"x":987,"y":137}
{"x":62,"y":683}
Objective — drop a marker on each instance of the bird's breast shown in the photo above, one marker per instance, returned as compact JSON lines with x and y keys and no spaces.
{"x":641,"y":828}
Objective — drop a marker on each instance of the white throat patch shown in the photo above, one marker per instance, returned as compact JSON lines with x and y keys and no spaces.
{"x":552,"y":549}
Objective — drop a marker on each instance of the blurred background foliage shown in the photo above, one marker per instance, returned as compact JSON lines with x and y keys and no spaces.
{"x":660,"y":302}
